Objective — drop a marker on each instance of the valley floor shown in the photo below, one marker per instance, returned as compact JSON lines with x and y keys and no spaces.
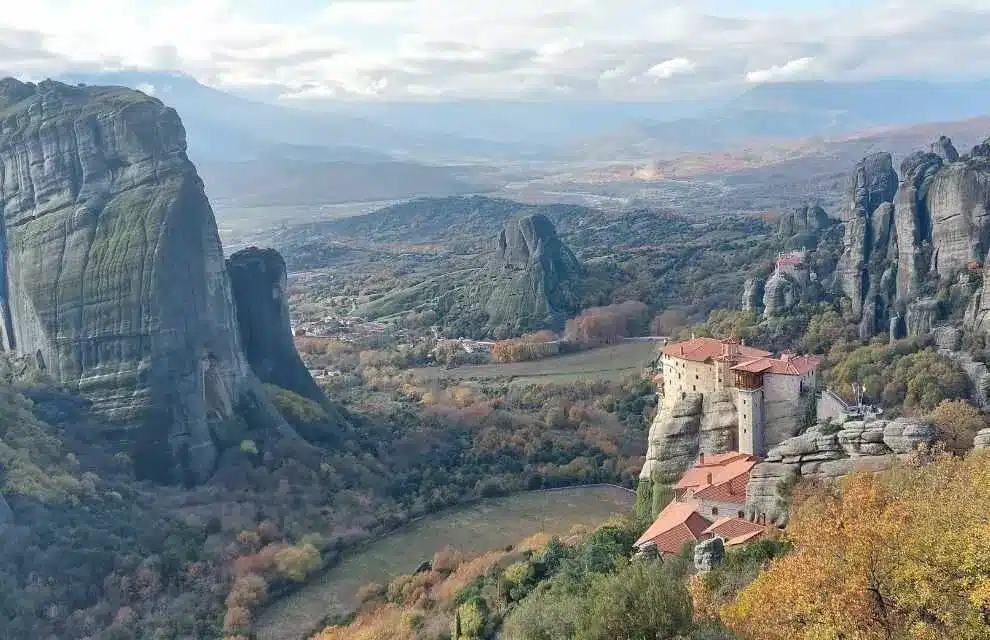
{"x":474,"y":529}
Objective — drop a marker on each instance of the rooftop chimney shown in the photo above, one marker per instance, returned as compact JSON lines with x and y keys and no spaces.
{"x":701,"y":458}
{"x":709,"y":478}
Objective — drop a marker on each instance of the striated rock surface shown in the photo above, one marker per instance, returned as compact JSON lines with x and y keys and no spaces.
{"x":6,"y":515}
{"x":719,"y":423}
{"x":708,"y":554}
{"x":673,"y":443}
{"x":982,"y":439}
{"x":752,"y":298}
{"x":801,"y":227}
{"x":781,"y":294}
{"x":921,"y":316}
{"x":939,"y":227}
{"x":258,"y":282}
{"x":826,"y":454}
{"x":873,"y":183}
{"x":533,"y":276}
{"x":944,"y":149}
{"x":112,"y":274}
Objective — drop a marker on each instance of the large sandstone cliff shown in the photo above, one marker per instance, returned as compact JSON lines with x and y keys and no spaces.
{"x":823,"y":453}
{"x":905,"y":238}
{"x":532,"y":275}
{"x":112,"y":273}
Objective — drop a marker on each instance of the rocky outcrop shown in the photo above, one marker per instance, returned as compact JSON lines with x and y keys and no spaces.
{"x":982,"y":439}
{"x":684,"y":427}
{"x":532,"y":275}
{"x":719,"y":423}
{"x":708,"y":554}
{"x":921,"y":316}
{"x":781,"y":294}
{"x":6,"y":515}
{"x":113,"y":276}
{"x":258,"y":282}
{"x":939,"y":226}
{"x":752,"y":297}
{"x":801,"y":228}
{"x":673,"y":443}
{"x":873,"y":183}
{"x":944,"y":149}
{"x":826,"y":453}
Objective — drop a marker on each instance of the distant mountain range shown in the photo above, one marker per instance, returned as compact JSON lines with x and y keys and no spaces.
{"x":793,"y":110}
{"x":256,"y":152}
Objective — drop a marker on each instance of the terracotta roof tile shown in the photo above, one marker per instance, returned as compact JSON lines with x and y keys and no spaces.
{"x":791,"y":366}
{"x":746,"y":537}
{"x":676,"y":524}
{"x":728,"y":467}
{"x":731,"y":528}
{"x":703,"y":349}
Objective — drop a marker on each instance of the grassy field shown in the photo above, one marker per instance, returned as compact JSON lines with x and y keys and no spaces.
{"x":488,"y":525}
{"x":606,"y":363}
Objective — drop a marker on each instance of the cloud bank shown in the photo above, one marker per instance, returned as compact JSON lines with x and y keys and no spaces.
{"x":449,"y":49}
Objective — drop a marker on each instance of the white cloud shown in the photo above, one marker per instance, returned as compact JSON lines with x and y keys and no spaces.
{"x":672,"y":67}
{"x":788,"y":71}
{"x":147,"y":88}
{"x":394,"y":49}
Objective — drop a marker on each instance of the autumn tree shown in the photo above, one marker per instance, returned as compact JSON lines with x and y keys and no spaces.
{"x":957,"y":422}
{"x":897,"y":555}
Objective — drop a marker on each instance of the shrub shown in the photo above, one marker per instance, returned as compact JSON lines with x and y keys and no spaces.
{"x":294,"y":407}
{"x":297,"y":562}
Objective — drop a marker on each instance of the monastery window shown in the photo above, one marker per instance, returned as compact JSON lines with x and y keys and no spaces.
{"x":694,"y":388}
{"x":714,"y":511}
{"x":742,"y":515}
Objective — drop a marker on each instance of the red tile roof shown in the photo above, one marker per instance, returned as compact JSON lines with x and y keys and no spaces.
{"x":676,"y":524}
{"x":788,"y":365}
{"x":733,"y":528}
{"x":724,"y":468}
{"x":704,"y":349}
{"x":743,"y":539}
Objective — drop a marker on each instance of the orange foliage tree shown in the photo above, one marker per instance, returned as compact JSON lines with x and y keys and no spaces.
{"x":902,"y":554}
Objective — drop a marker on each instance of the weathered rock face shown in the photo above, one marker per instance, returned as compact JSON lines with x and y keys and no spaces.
{"x":535,"y":274}
{"x":6,"y":515}
{"x":673,"y":443}
{"x":982,"y":439}
{"x":258,"y":282}
{"x":939,"y":225}
{"x":781,"y":294}
{"x":112,"y":272}
{"x":800,"y":228}
{"x":827,"y":454}
{"x":685,"y":427}
{"x":708,"y":554}
{"x":752,"y":298}
{"x":944,"y":149}
{"x":874,"y":183}
{"x":719,"y":423}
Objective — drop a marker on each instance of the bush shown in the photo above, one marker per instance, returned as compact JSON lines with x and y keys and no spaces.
{"x":296,"y":563}
{"x":294,"y":407}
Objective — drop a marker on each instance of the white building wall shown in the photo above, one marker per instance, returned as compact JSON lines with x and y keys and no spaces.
{"x":684,"y":376}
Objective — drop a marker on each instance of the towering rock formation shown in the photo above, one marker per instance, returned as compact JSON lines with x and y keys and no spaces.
{"x":867,"y":235}
{"x":532,"y":275}
{"x":258,"y":281}
{"x":112,"y":274}
{"x":800,"y":229}
{"x":900,"y":245}
{"x":752,"y":297}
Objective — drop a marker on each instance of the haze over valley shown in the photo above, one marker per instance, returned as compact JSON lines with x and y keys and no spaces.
{"x":427,"y":320}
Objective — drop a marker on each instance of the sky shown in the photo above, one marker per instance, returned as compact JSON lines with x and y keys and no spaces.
{"x":301,"y":50}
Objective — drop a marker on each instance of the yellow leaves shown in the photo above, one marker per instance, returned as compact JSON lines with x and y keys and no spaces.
{"x":902,"y":555}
